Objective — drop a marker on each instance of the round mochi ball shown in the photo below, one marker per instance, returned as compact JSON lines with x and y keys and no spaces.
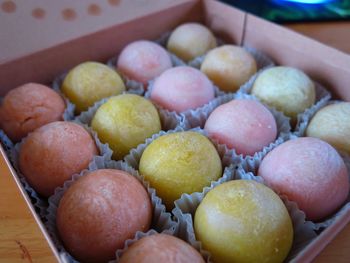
{"x":229,"y":67}
{"x":332,"y":124}
{"x":161,"y":248}
{"x":53,"y":153}
{"x":287,"y":89}
{"x":29,"y":107}
{"x":100,"y":211}
{"x":243,"y":221}
{"x":143,"y":61}
{"x":309,"y":172}
{"x":244,"y":125}
{"x":124,"y":122}
{"x":178,"y":163}
{"x":182,"y":88}
{"x":90,"y":82}
{"x":191,"y":40}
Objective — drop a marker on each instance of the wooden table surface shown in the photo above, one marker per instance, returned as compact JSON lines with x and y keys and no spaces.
{"x":21,"y":239}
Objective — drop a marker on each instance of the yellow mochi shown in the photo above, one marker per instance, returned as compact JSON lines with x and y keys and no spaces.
{"x":332,"y":124}
{"x":178,"y":163}
{"x":124,"y":122}
{"x":229,"y":67}
{"x":90,"y":82}
{"x":244,"y":221}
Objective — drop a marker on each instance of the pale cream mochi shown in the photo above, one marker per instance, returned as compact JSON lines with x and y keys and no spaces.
{"x":332,"y":124}
{"x":287,"y":89}
{"x":191,"y":40}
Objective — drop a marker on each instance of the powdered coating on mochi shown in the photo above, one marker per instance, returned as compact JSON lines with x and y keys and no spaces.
{"x":310,"y":172}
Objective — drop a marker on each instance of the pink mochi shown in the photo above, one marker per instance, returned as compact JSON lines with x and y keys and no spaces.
{"x":244,"y":125}
{"x":143,"y":61}
{"x":310,"y":172}
{"x":182,"y":88}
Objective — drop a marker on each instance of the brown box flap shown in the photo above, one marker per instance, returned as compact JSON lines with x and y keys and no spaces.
{"x":33,"y":25}
{"x":42,"y":65}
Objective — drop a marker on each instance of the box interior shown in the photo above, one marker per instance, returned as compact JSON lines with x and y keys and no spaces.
{"x":324,"y":64}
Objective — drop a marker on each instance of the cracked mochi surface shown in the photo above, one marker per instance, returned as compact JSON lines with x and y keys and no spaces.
{"x":29,"y":107}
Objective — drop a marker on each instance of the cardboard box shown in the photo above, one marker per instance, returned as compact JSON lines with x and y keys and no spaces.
{"x":67,"y":42}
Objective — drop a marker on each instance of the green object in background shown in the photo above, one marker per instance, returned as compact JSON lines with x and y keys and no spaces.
{"x":284,"y":11}
{"x":287,"y":11}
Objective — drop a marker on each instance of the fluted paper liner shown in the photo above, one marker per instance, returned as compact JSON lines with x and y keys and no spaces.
{"x":161,"y":220}
{"x":40,"y":202}
{"x":68,"y":114}
{"x":186,"y":206}
{"x":305,"y":118}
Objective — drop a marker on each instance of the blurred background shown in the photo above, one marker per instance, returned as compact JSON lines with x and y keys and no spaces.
{"x":296,"y":10}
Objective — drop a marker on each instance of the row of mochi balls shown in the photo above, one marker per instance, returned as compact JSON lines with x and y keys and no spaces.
{"x":307,"y":170}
